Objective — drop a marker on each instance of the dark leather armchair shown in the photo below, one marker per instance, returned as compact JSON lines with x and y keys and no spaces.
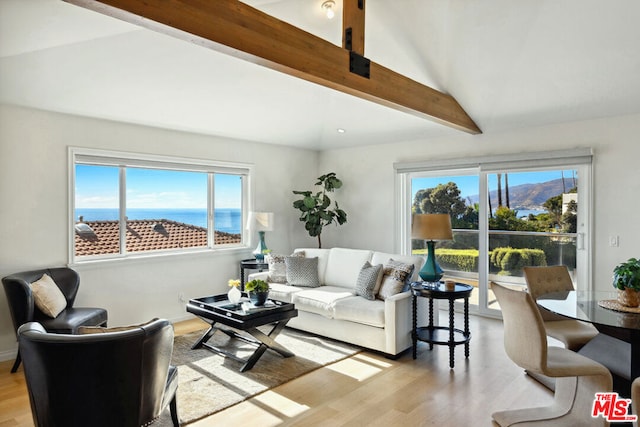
{"x":23,"y":309}
{"x":105,"y":379}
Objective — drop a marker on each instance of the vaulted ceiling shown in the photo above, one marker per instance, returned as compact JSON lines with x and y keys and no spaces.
{"x":509,"y":64}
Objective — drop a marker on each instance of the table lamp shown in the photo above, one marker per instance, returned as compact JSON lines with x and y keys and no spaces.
{"x":431,"y":227}
{"x":260,"y":222}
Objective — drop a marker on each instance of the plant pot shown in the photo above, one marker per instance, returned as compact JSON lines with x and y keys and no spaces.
{"x":258,"y":298}
{"x":629,"y":297}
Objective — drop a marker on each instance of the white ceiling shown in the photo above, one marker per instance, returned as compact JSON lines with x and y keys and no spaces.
{"x":508,"y":63}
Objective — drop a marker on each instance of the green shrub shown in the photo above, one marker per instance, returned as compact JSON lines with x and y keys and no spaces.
{"x":458,"y":259}
{"x":510,"y":260}
{"x":504,"y":261}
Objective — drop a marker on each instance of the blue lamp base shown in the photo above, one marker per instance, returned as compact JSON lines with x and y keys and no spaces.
{"x":261,"y":248}
{"x":431,"y":271}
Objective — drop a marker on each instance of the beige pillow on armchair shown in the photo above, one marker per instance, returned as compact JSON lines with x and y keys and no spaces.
{"x":48,"y":297}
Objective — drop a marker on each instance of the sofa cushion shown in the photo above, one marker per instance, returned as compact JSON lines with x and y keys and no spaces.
{"x":369,"y":280}
{"x":323,"y":257}
{"x":48,"y":297}
{"x":344,"y":266}
{"x":302,"y":271}
{"x":396,"y":277}
{"x":360,"y":310}
{"x":416,"y":260}
{"x":282,"y":292}
{"x":320,"y":300}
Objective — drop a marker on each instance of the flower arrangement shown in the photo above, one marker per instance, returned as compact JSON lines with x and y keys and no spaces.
{"x":234,"y":283}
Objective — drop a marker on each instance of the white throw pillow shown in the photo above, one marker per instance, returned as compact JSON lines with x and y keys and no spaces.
{"x":48,"y":296}
{"x":395,"y":278}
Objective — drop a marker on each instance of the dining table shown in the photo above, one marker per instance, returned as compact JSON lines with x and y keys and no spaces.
{"x":617,"y":346}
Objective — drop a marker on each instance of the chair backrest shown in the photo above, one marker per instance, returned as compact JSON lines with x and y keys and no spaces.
{"x":543,"y":280}
{"x":525,"y":340}
{"x":106,"y":379}
{"x":17,"y":287}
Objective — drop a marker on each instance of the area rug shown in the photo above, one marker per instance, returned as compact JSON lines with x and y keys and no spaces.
{"x":209,"y":383}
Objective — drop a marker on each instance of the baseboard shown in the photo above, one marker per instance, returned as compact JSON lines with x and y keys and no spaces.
{"x":8,"y":355}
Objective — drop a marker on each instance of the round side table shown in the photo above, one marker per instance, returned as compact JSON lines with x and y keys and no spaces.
{"x":441,"y":335}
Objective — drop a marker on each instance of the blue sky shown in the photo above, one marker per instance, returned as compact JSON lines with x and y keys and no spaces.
{"x":97,"y":187}
{"x":468,"y":185}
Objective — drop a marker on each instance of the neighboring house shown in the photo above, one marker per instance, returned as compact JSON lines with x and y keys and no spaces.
{"x":102,"y":237}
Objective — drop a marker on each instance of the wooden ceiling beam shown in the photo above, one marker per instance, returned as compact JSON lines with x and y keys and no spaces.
{"x":235,"y":28}
{"x":353,"y":25}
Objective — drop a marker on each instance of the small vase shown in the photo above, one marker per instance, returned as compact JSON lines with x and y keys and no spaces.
{"x":234,"y":295}
{"x":629,"y":297}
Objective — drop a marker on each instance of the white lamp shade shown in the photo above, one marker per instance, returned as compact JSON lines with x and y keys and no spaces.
{"x":260,"y":221}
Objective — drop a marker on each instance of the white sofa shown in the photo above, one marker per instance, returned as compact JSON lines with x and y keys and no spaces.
{"x":335,"y":311}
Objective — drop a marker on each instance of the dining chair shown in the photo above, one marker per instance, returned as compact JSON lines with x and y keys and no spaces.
{"x":100,"y":378}
{"x":577,"y":377}
{"x":542,"y":280}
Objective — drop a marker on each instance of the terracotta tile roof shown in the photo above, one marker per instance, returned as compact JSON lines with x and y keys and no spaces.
{"x":102,"y":237}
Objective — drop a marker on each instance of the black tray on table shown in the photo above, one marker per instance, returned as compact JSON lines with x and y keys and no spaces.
{"x":220,"y":304}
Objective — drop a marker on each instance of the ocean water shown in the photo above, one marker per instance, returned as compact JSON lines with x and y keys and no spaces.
{"x":226,"y":220}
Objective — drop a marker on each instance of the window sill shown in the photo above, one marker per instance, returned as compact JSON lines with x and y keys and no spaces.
{"x":159,"y":255}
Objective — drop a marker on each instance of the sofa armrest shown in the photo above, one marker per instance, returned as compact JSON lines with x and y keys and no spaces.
{"x":398,"y":313}
{"x":263,"y":275}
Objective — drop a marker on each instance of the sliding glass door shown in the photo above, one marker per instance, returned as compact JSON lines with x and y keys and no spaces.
{"x":505,"y":215}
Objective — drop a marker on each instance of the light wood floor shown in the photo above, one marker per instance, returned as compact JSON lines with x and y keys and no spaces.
{"x":365,"y":389}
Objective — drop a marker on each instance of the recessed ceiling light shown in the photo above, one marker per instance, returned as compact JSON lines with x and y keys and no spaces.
{"x":340,"y":130}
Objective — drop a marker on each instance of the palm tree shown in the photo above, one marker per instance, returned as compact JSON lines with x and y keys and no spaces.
{"x":506,"y":189}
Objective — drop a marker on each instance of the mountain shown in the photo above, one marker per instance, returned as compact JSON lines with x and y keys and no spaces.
{"x":528,"y":196}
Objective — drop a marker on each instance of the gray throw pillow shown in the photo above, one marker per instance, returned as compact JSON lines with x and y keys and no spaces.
{"x":396,"y":276}
{"x":368,"y":280}
{"x":302,"y":271}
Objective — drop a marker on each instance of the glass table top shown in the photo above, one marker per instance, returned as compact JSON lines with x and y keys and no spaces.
{"x":584,"y":306}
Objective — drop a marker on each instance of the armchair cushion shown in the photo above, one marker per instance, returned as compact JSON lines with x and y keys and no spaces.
{"x":48,"y":297}
{"x":84,"y":330}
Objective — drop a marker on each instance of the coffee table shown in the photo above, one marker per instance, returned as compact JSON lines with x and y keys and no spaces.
{"x":217,"y":309}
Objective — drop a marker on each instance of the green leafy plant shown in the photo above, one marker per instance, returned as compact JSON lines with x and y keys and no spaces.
{"x":256,"y":285}
{"x":627,"y":275}
{"x":315,"y":208}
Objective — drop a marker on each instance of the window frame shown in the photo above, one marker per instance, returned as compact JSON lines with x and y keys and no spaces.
{"x":123,"y":160}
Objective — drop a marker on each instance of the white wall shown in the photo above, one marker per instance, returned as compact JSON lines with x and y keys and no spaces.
{"x":34,"y":209}
{"x":368,"y":192}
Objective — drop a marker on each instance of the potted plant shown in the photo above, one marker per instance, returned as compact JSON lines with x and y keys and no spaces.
{"x":626,"y":278}
{"x":258,"y":291}
{"x":314,"y":208}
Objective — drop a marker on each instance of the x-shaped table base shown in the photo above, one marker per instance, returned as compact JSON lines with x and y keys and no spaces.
{"x":253,"y":336}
